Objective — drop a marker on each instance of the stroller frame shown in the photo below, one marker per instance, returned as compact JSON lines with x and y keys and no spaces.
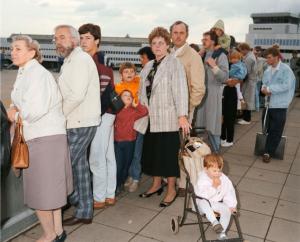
{"x":179,"y":221}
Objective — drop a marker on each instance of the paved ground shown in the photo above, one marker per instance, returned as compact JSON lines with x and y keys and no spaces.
{"x":269,"y":199}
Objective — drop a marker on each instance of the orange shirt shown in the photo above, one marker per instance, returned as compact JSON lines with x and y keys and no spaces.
{"x":132,"y":86}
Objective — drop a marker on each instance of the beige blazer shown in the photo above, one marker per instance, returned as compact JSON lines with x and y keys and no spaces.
{"x":195,"y":74}
{"x":169,"y":96}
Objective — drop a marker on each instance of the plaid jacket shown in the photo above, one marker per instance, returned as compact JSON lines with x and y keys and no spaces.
{"x":169,"y":96}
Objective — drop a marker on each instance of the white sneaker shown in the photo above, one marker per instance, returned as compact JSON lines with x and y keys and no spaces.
{"x":223,"y":236}
{"x":227,"y":144}
{"x":243,"y":122}
{"x":133,"y":186}
{"x":223,"y":141}
{"x":128,"y":181}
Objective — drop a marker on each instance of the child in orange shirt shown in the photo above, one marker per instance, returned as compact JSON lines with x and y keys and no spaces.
{"x":130,"y":81}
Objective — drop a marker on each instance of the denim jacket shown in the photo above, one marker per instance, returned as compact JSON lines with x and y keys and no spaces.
{"x":281,"y":84}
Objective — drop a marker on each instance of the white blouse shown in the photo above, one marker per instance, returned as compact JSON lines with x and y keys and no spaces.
{"x":37,"y":96}
{"x":224,"y":192}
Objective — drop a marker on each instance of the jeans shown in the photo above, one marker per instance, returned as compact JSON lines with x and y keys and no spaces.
{"x":136,"y":168}
{"x":103,"y":161}
{"x":217,"y":142}
{"x":124,"y":154}
{"x":274,"y":125}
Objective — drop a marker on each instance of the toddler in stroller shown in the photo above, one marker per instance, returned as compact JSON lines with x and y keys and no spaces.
{"x":217,"y":194}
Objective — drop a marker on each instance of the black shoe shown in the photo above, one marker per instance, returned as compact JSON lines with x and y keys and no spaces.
{"x":266,"y":158}
{"x":73,"y":221}
{"x":61,"y":238}
{"x":164,"y":204}
{"x":145,"y":194}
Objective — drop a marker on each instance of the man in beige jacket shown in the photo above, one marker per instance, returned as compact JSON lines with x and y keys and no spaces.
{"x":195,"y":74}
{"x":80,"y":89}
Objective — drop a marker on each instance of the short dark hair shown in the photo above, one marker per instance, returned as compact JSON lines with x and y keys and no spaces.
{"x":272,"y":51}
{"x":213,"y":36}
{"x":258,"y":48}
{"x":93,"y":29}
{"x":180,"y":22}
{"x":244,"y":46}
{"x":195,"y":47}
{"x":126,"y":65}
{"x":147,"y":51}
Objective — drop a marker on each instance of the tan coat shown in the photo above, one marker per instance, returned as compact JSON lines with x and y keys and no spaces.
{"x":195,"y":74}
{"x":169,"y":96}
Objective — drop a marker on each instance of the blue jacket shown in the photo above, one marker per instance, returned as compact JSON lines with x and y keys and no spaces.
{"x":238,"y":71}
{"x":281,"y":84}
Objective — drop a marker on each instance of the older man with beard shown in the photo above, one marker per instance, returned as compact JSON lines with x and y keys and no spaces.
{"x":79,"y":86}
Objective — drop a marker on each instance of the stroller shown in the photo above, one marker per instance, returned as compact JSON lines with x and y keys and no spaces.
{"x":192,"y":151}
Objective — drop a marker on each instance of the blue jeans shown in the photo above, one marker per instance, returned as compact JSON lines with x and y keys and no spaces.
{"x":124,"y":154}
{"x":217,"y":142}
{"x":136,"y":168}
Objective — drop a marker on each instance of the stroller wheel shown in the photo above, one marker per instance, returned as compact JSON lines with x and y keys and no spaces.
{"x":175,"y":224}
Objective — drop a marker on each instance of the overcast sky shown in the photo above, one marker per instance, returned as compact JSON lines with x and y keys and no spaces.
{"x":135,"y":17}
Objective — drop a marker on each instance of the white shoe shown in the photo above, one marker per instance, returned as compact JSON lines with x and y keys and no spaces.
{"x":227,"y":144}
{"x":243,"y":122}
{"x":223,"y":236}
{"x":128,"y":181}
{"x":133,"y":186}
{"x":223,"y":141}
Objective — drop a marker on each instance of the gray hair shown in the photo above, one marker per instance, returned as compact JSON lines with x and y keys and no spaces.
{"x":31,"y":45}
{"x":73,"y":31}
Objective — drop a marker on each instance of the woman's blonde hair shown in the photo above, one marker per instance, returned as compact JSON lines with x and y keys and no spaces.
{"x":235,"y":55}
{"x":31,"y":44}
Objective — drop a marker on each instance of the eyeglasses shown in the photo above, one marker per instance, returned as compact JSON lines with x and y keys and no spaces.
{"x":159,"y":43}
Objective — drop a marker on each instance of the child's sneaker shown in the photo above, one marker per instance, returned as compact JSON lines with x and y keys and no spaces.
{"x":128,"y":182}
{"x":223,"y":236}
{"x":217,"y":227}
{"x":133,"y":186}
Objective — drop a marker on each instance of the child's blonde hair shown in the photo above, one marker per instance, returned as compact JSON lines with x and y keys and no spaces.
{"x":126,"y":65}
{"x":212,"y":160}
{"x":235,"y":55}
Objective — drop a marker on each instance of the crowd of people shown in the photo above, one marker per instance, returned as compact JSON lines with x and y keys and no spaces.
{"x":85,"y":152}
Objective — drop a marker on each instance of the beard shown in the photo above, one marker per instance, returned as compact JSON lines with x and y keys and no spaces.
{"x":64,"y":51}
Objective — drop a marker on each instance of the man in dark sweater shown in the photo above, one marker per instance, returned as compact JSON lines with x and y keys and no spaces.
{"x":102,"y":156}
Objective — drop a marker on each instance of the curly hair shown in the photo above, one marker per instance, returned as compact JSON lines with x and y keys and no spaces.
{"x":160,"y":32}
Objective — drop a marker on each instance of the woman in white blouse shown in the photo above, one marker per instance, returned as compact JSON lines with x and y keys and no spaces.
{"x":37,"y":100}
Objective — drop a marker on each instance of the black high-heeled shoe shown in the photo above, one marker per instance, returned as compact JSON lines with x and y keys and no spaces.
{"x":164,"y":204}
{"x":61,"y":238}
{"x":145,"y":194}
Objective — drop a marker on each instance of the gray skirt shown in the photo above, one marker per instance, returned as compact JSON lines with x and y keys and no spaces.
{"x":48,"y":179}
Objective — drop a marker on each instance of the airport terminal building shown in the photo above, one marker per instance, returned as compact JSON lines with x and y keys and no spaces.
{"x":275,"y":28}
{"x":116,"y":49}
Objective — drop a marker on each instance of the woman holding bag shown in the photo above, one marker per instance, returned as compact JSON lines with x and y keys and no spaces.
{"x":37,"y":101}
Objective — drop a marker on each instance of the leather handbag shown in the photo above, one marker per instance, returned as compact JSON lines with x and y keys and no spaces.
{"x":19,"y":149}
{"x":261,"y":138}
{"x":116,"y":102}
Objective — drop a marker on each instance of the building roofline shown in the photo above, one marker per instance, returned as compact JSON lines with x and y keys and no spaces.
{"x":276,"y":14}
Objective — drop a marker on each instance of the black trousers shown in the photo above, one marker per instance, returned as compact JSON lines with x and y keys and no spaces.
{"x":275,"y":122}
{"x":246,"y":115}
{"x":229,"y":109}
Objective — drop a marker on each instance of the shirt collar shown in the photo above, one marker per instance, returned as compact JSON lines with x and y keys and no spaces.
{"x":179,"y":50}
{"x":277,"y":66}
{"x":69,"y":57}
{"x":28,"y":64}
